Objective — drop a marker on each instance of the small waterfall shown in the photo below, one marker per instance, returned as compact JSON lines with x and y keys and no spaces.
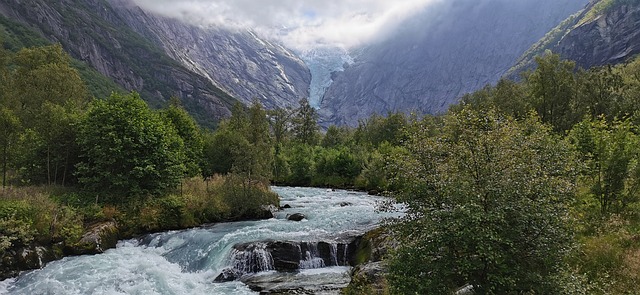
{"x":345,"y":255}
{"x":334,"y":253}
{"x":312,"y":258}
{"x":253,"y":259}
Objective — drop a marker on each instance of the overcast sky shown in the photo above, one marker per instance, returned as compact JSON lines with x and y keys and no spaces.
{"x":300,"y":24}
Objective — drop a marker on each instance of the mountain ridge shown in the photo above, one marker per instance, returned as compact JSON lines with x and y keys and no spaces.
{"x":606,"y":32}
{"x":477,"y":42}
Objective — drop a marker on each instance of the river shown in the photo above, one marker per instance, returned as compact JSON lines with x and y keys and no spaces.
{"x":188,"y":261}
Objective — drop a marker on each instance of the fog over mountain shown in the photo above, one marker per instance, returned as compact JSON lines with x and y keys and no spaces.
{"x":300,"y":25}
{"x":449,"y":49}
{"x":351,"y":58}
{"x":411,"y":55}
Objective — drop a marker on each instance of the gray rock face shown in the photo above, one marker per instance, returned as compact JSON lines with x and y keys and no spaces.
{"x":91,"y":31}
{"x":610,"y":38}
{"x":97,"y":239}
{"x":450,"y":49}
{"x":286,"y":256}
{"x":239,"y":62}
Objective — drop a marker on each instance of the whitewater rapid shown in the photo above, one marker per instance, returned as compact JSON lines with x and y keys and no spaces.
{"x":188,"y":261}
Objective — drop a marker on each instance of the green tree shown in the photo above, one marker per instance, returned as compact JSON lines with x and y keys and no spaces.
{"x":280,"y":121}
{"x":48,"y":95}
{"x":305,"y":123}
{"x":553,"y":89}
{"x":336,"y":137}
{"x":242,"y":145}
{"x":377,"y":129}
{"x":301,"y":164}
{"x":600,"y":91}
{"x":189,"y":132}
{"x":9,"y":126}
{"x":609,"y":152}
{"x":44,"y":74}
{"x":127,"y":150}
{"x":487,"y":204}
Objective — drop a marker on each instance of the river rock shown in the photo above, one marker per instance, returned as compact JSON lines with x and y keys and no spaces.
{"x":345,"y":204}
{"x":13,"y":261}
{"x":228,"y":275}
{"x":369,"y":273}
{"x":296,"y":217}
{"x":97,"y":239}
{"x":286,"y":206}
{"x":286,"y":256}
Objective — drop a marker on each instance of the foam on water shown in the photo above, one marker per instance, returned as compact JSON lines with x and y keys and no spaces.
{"x":187,"y":262}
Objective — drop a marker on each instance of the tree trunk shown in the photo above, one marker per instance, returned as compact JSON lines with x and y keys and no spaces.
{"x":48,"y":166}
{"x":4,"y":165}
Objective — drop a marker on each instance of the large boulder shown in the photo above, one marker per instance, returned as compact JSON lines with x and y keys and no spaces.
{"x":285,"y":256}
{"x":97,"y":239}
{"x":368,"y":258}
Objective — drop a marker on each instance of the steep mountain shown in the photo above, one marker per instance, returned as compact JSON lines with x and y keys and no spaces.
{"x":91,"y":31}
{"x":605,"y":32}
{"x":237,"y":61}
{"x":207,"y":68}
{"x":451,"y":48}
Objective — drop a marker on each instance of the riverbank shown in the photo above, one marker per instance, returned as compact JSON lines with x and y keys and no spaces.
{"x":44,"y":224}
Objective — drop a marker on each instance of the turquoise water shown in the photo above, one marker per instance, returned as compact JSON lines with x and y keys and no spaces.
{"x":187,"y":262}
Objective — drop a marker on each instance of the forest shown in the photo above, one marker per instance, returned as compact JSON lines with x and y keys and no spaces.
{"x":527,"y":187}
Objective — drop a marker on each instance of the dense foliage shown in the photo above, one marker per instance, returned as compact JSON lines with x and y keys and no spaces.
{"x":528,"y":187}
{"x":498,"y":187}
{"x":68,"y":161}
{"x":127,"y":150}
{"x":488,"y":200}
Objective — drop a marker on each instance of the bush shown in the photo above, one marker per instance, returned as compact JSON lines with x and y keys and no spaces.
{"x":28,"y":215}
{"x":244,"y":199}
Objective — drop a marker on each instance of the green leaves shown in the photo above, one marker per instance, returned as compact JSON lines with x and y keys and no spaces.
{"x":127,"y":150}
{"x":609,"y":151}
{"x":488,"y":202}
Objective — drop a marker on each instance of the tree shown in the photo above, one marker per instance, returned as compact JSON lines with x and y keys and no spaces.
{"x":279,"y":120}
{"x":610,"y":153}
{"x":9,"y":126}
{"x":242,"y":145}
{"x":553,"y":89}
{"x":127,"y":150}
{"x":600,"y":91}
{"x":47,"y":95}
{"x":487,"y":204}
{"x":188,"y":130}
{"x":305,"y":123}
{"x":336,"y":137}
{"x":44,"y":74}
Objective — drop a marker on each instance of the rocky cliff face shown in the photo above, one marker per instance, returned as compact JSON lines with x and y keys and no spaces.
{"x":450,"y":49}
{"x":605,"y":32}
{"x":207,"y":68}
{"x":239,"y":62}
{"x":610,"y":37}
{"x":91,"y":31}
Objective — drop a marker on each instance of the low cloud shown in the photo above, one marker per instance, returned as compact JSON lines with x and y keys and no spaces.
{"x":299,"y":24}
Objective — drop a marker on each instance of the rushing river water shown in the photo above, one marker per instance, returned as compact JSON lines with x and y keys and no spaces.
{"x":187,"y":262}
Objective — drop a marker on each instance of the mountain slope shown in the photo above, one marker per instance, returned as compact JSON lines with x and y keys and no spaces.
{"x":91,"y":31}
{"x":605,"y":32}
{"x":237,"y":61}
{"x":450,"y":49}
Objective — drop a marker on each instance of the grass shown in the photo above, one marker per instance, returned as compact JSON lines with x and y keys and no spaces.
{"x":46,"y":215}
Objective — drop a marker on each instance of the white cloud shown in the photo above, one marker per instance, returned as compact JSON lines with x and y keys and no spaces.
{"x":300,"y":24}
